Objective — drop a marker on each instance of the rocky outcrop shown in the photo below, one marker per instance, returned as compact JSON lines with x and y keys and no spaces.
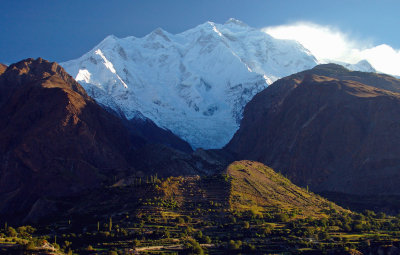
{"x":329,"y":128}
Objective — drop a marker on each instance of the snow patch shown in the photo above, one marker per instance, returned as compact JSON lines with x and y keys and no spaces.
{"x":83,"y":75}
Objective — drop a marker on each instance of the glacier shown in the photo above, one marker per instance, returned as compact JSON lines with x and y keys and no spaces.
{"x":195,"y":83}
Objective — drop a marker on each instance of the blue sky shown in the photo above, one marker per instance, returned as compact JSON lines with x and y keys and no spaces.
{"x":63,"y":30}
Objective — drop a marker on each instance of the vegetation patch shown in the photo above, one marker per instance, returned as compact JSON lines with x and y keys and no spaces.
{"x":249,"y":209}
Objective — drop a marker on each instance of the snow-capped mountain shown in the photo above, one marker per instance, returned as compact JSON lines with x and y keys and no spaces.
{"x":195,"y":83}
{"x":362,"y":66}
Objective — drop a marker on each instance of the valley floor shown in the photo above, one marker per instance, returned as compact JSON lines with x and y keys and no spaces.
{"x":198,"y":215}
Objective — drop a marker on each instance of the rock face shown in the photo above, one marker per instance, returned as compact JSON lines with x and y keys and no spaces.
{"x":329,"y":128}
{"x":195,"y":83}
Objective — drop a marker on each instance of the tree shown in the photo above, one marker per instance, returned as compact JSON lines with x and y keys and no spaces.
{"x":206,"y":239}
{"x":193,"y":247}
{"x":67,"y":244}
{"x":232,"y":245}
{"x":267,"y":229}
{"x":199,"y":234}
{"x":11,"y":232}
{"x":25,"y":231}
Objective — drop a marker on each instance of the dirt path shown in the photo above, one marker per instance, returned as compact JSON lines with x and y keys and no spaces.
{"x":152,"y":248}
{"x":170,"y":247}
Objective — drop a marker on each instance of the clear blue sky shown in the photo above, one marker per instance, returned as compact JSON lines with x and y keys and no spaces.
{"x":60,"y":30}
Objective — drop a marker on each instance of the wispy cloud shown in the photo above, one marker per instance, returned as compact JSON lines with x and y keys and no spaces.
{"x":329,"y":43}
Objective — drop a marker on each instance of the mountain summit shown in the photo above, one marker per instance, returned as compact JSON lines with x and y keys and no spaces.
{"x":195,"y":83}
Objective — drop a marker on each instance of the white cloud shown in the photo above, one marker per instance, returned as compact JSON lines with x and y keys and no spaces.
{"x":329,"y":43}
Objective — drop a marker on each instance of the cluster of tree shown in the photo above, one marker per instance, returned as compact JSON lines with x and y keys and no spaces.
{"x":191,"y":246}
{"x":239,"y":246}
{"x":24,"y":232}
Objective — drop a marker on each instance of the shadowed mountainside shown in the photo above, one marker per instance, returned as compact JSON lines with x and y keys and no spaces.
{"x":54,"y":139}
{"x":155,"y":135}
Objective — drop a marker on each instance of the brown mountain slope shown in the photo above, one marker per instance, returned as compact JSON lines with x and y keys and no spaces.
{"x":329,"y":131}
{"x":2,"y":68}
{"x":54,"y":139}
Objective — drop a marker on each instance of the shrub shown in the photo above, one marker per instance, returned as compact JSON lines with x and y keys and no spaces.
{"x":358,"y":227}
{"x":323,"y":236}
{"x":249,"y":247}
{"x":30,"y":246}
{"x":181,"y":220}
{"x":381,"y":215}
{"x":282,"y":217}
{"x":346,"y":227}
